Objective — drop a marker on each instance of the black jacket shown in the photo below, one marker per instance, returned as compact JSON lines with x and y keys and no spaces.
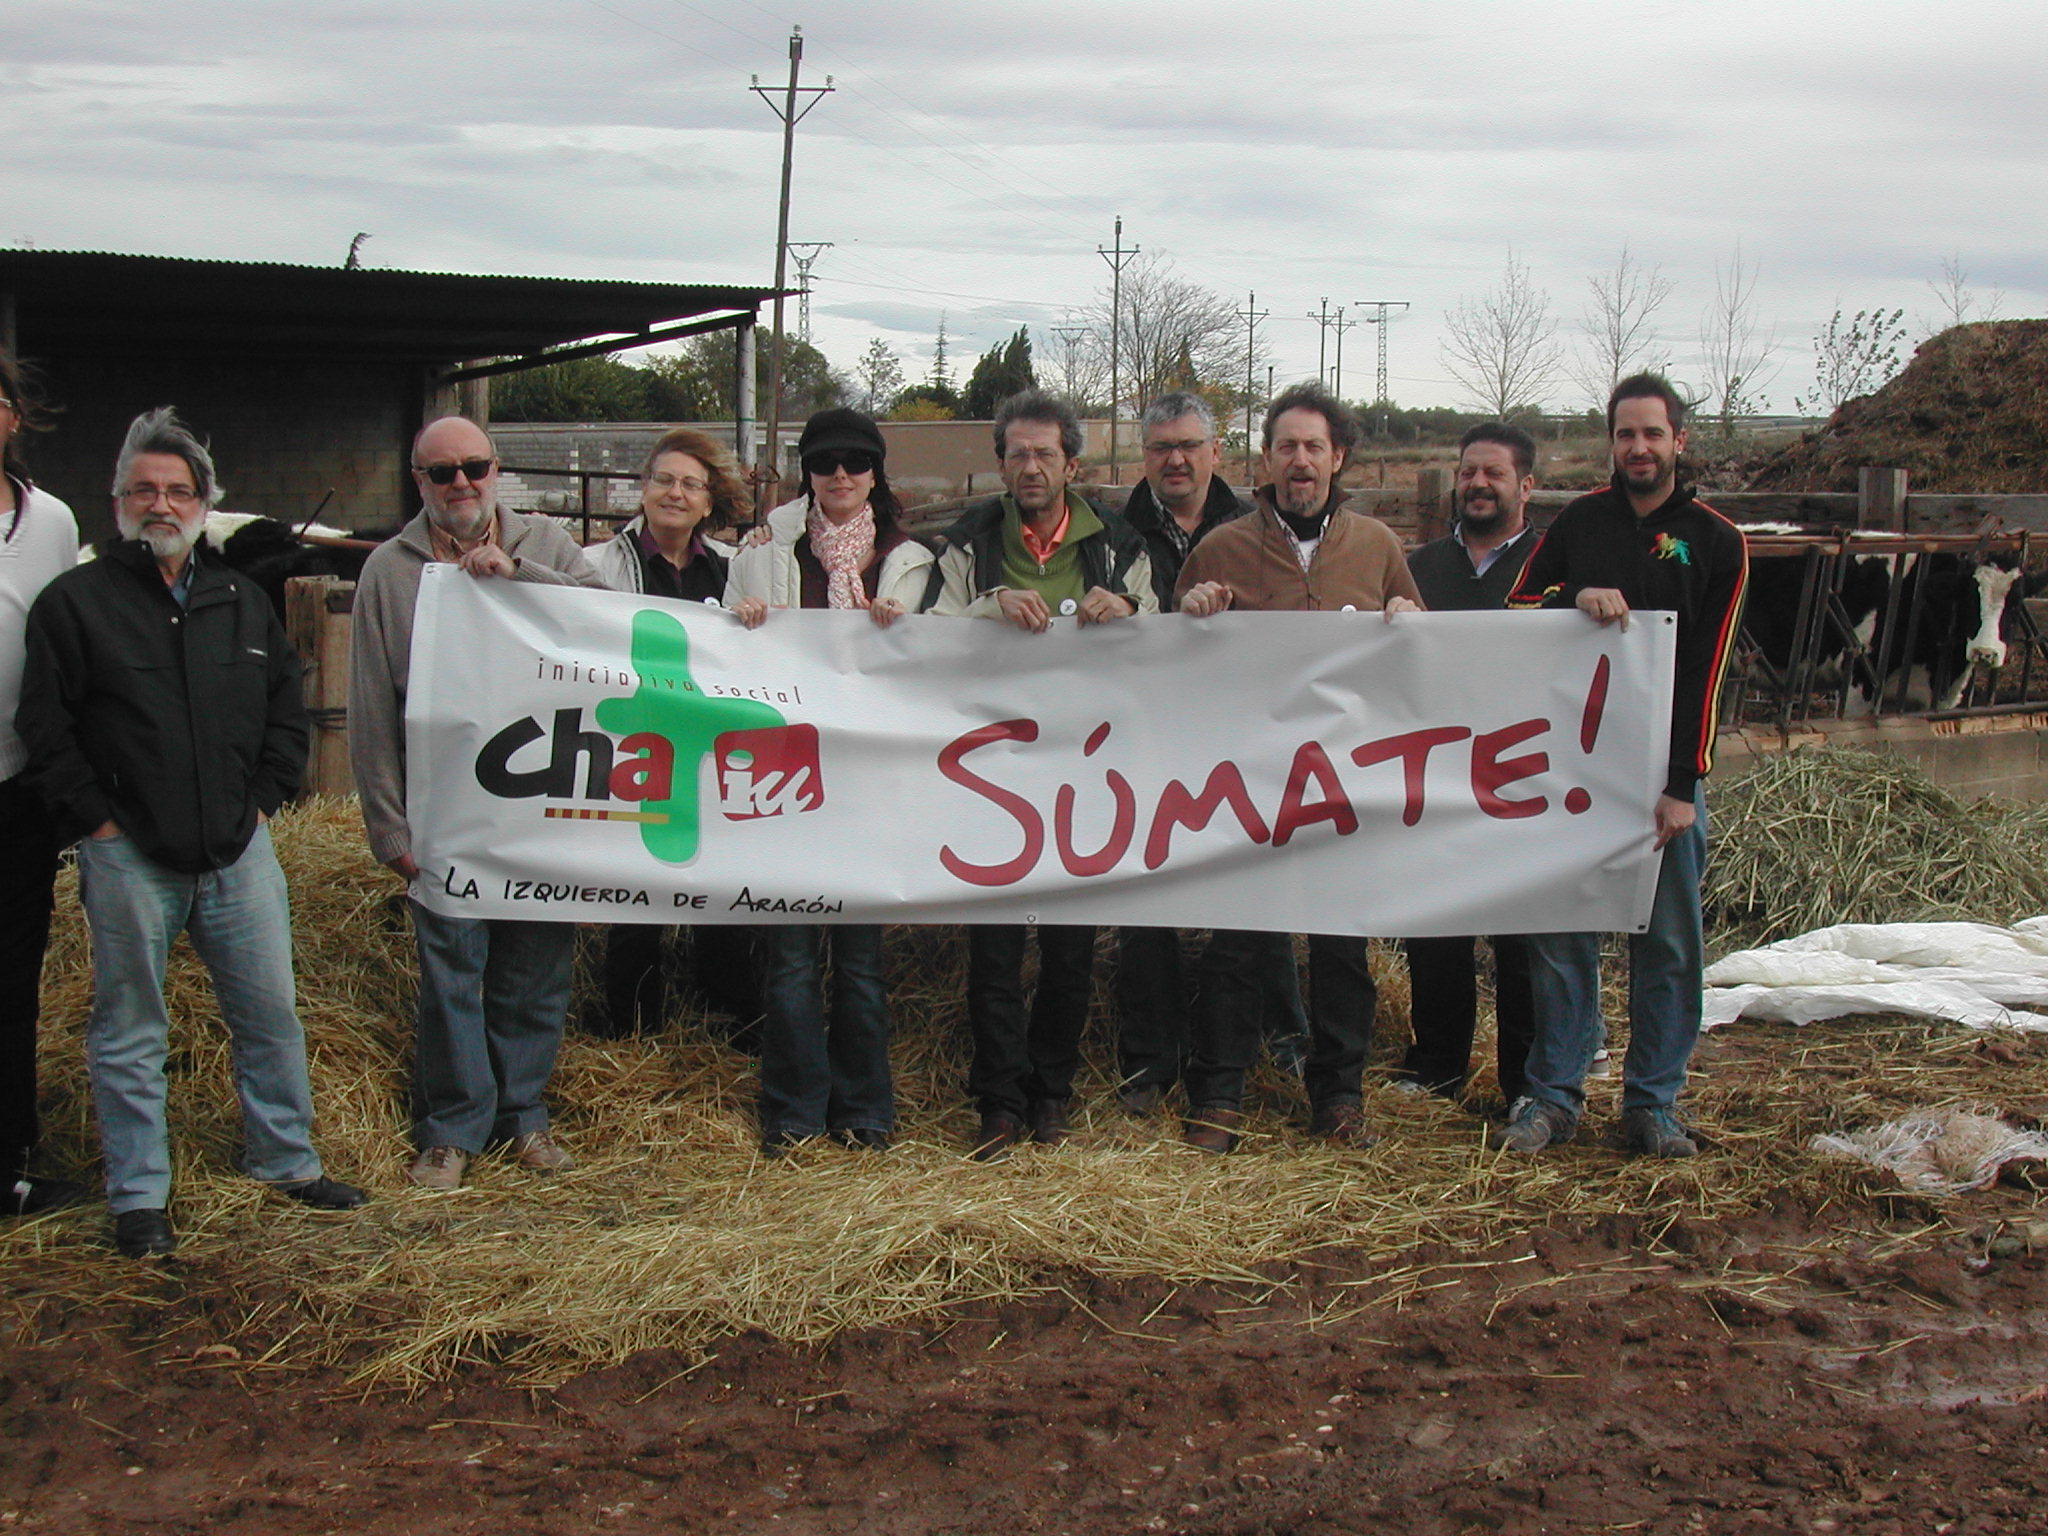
{"x":1683,"y":558}
{"x":177,"y":724}
{"x":1443,"y":573}
{"x":1144,"y":514}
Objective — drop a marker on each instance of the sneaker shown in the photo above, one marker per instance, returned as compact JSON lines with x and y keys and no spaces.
{"x":1602,"y":1064}
{"x":1534,"y":1124}
{"x":323,"y":1194}
{"x":1656,"y":1133}
{"x":541,"y":1152}
{"x":1410,"y":1087}
{"x":439,"y":1168}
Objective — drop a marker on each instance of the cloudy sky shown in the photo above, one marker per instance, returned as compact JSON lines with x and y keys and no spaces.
{"x":974,"y":156}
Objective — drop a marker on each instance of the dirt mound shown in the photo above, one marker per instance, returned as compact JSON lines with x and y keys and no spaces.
{"x":1969,"y":413}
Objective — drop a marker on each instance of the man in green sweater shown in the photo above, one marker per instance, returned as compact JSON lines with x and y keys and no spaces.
{"x":1038,"y":552}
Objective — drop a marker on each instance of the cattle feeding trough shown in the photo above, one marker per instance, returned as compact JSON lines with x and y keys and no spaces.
{"x":1842,"y":624}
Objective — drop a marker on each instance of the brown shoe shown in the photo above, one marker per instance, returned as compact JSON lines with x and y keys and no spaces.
{"x":438,"y":1168}
{"x":1213,"y":1127}
{"x":1342,"y":1123}
{"x":1049,"y":1122}
{"x":1000,"y":1131}
{"x":541,"y":1152}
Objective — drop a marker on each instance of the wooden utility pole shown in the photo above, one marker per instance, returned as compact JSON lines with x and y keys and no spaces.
{"x":1322,"y":321}
{"x":1340,"y":325}
{"x":787,"y":110}
{"x":1251,"y":315}
{"x":1118,"y":258}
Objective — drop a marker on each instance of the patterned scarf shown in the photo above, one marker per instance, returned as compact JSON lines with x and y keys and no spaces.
{"x":843,"y":549}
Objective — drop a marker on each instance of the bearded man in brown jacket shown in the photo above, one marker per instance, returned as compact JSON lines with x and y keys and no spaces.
{"x":1301,"y":549}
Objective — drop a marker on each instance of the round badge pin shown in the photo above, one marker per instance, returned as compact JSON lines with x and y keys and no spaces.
{"x":1068,"y":607}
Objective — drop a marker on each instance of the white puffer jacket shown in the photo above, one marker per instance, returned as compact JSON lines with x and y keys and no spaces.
{"x":770,"y":572}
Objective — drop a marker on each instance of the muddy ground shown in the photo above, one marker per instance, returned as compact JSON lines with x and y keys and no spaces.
{"x":1870,"y":1363}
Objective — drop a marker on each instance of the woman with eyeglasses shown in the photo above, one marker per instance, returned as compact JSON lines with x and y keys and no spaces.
{"x":38,"y":542}
{"x":840,"y":545}
{"x":690,"y":488}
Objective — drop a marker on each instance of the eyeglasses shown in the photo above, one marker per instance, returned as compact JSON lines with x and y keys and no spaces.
{"x":176,"y":495}
{"x":668,"y":482}
{"x":471,"y":470}
{"x":1187,"y":446}
{"x":855,"y":461}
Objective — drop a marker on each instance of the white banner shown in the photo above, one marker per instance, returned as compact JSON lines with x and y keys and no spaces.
{"x":604,"y":757}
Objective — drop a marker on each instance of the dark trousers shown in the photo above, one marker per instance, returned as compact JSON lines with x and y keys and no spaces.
{"x":1341,"y":1000}
{"x":28,"y":870}
{"x":1153,"y":1002}
{"x":1015,"y":1062}
{"x":1444,"y":1004}
{"x":636,"y":980}
{"x":823,"y":1072}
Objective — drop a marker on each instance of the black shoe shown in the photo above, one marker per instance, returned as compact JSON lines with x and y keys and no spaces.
{"x":864,"y":1138}
{"x":1141,"y":1099}
{"x":1049,"y":1122}
{"x":29,"y":1195}
{"x":144,"y":1234}
{"x":324,"y":1194}
{"x":999,"y":1131}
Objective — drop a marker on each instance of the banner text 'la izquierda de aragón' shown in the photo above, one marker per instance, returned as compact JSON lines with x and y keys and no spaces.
{"x":602,"y":757}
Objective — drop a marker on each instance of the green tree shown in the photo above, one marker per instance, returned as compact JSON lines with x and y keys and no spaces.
{"x":1003,"y":369}
{"x":584,"y":389}
{"x":880,"y":376}
{"x":1852,"y":358}
{"x":935,"y":402}
{"x":707,"y":369}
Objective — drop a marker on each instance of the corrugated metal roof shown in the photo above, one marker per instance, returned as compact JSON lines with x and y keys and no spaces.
{"x":106,"y":304}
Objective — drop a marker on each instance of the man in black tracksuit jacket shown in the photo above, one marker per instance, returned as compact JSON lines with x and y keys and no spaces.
{"x":1644,"y":543}
{"x":160,"y":708}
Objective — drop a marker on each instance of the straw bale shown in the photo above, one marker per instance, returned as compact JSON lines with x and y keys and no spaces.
{"x":674,"y":1233}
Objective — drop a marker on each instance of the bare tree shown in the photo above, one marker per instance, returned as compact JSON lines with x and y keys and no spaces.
{"x":1618,"y":328}
{"x":1502,"y":346}
{"x":1174,"y":334}
{"x":1959,"y":302}
{"x":880,"y":376}
{"x":1852,"y":358}
{"x":1735,"y":344}
{"x":1074,"y":361}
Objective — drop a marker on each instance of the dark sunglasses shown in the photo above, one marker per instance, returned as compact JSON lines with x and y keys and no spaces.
{"x":473,"y":470}
{"x":855,"y":461}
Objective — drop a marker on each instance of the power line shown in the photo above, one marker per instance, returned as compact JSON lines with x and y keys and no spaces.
{"x":1251,"y":315}
{"x":805,"y":254}
{"x":1118,"y":259}
{"x":1381,"y":318}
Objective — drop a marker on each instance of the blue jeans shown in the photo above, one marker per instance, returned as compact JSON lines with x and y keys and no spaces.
{"x":1664,"y":965}
{"x":239,"y":920}
{"x":820,"y":1074}
{"x":493,"y":994}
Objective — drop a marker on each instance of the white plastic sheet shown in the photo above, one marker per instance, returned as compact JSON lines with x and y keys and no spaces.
{"x":1975,"y":974}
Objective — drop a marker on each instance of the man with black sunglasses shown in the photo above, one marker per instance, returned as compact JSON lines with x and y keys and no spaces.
{"x":493,"y":992}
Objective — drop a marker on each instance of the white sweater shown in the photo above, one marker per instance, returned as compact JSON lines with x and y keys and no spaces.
{"x":44,"y":544}
{"x":769,"y":571}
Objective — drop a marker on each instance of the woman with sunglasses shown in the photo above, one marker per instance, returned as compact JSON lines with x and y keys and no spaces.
{"x":690,"y":489}
{"x":841,"y":545}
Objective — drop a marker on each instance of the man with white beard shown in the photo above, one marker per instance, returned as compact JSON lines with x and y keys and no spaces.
{"x":160,"y":707}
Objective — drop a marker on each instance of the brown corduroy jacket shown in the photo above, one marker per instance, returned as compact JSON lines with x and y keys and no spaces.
{"x":1359,"y":564}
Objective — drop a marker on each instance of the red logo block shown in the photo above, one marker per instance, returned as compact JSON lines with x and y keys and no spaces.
{"x":772,"y":772}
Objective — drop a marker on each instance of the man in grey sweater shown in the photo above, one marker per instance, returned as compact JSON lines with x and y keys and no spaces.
{"x":493,"y":993}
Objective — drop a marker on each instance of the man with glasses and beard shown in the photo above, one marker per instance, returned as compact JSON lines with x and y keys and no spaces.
{"x":1302,"y":550}
{"x":1037,"y":551}
{"x":1181,"y":501}
{"x":160,"y":707}
{"x":493,"y":991}
{"x":1474,"y":566}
